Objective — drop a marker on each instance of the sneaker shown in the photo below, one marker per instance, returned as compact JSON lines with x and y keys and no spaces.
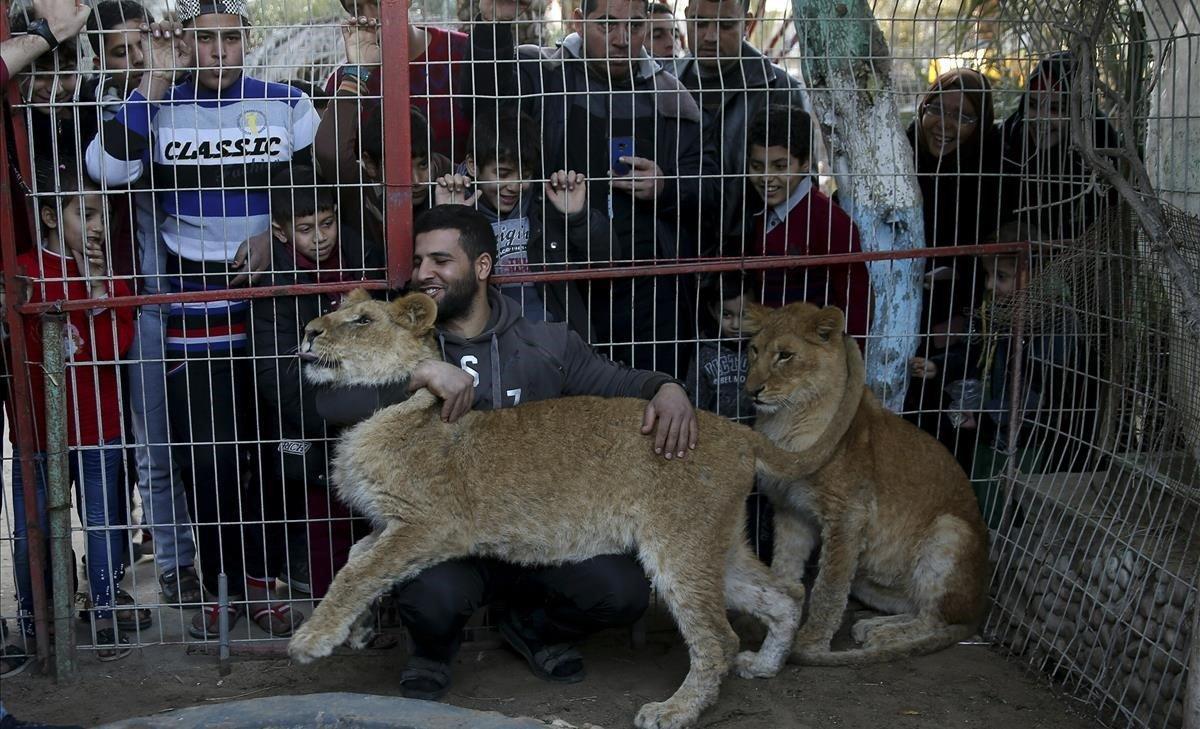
{"x":296,"y":575}
{"x":180,"y":587}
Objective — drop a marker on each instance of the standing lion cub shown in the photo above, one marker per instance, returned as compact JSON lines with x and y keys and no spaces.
{"x":898,"y":524}
{"x":547,"y":482}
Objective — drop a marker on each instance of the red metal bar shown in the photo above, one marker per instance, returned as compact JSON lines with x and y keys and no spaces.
{"x":666,"y":268}
{"x":22,"y":411}
{"x":397,"y":141}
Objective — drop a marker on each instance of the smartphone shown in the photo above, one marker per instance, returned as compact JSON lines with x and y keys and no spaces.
{"x":620,"y":147}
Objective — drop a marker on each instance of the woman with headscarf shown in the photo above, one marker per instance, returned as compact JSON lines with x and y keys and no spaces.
{"x":1058,"y":193}
{"x":958,"y":157}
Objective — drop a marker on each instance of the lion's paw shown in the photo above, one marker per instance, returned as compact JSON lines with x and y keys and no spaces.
{"x":666,"y":715}
{"x":753,"y":664}
{"x":360,"y":636}
{"x":308,"y":644}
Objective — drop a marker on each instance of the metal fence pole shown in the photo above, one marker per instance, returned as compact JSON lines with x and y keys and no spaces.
{"x":58,"y":494}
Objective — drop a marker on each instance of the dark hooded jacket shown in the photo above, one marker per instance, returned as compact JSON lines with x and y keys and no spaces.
{"x":729,"y":102}
{"x":513,"y":360}
{"x":1058,"y":192}
{"x":553,"y":239}
{"x":580,"y":113}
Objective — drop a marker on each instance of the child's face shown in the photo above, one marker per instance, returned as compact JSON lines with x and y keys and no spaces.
{"x":79,"y":222}
{"x":1002,"y":276}
{"x":420,"y":181}
{"x":123,"y":59}
{"x":501,"y":185}
{"x":774,"y":172}
{"x":218,"y":41}
{"x":313,"y":236}
{"x":44,"y":85}
{"x":730,"y":313}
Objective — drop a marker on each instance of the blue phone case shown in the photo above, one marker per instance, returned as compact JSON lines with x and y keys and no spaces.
{"x":620,"y":147}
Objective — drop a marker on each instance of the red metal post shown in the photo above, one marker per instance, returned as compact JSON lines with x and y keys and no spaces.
{"x":397,"y":141}
{"x":21,"y":407}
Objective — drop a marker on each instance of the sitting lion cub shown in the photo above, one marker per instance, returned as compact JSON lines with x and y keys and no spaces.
{"x":544,"y":483}
{"x":899,"y":526}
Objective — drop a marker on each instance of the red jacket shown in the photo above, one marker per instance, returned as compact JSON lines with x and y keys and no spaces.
{"x":93,"y":406}
{"x":814,"y":227}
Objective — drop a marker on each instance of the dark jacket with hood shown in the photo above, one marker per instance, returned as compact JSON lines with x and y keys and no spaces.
{"x":513,"y":360}
{"x":297,"y":439}
{"x":729,"y":102}
{"x":556,"y":239}
{"x":1058,"y":192}
{"x":581,"y":112}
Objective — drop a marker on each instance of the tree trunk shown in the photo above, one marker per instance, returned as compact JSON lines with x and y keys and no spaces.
{"x":847,"y":66}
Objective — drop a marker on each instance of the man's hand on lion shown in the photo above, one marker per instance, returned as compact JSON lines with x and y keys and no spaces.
{"x":453,"y":386}
{"x":673,"y":419}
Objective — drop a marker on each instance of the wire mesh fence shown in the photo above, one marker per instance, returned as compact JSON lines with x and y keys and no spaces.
{"x":192,"y":183}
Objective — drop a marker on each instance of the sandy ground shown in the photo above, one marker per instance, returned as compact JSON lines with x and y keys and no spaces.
{"x":967,"y":686}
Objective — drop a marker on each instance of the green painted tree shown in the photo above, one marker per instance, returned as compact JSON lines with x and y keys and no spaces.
{"x":847,"y":66}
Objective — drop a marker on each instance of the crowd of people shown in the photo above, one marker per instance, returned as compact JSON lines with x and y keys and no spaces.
{"x":172,"y":169}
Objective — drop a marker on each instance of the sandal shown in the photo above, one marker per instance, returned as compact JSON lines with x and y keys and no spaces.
{"x":13,"y":660}
{"x":111,"y":647}
{"x":130,"y":618}
{"x":204,"y":625}
{"x":424,"y":679}
{"x":180,"y":587}
{"x":559,"y":662}
{"x":279,"y":621}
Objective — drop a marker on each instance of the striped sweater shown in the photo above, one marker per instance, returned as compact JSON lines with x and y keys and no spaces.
{"x":210,"y":156}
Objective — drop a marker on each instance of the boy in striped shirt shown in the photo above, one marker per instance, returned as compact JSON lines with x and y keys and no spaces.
{"x":209,"y":144}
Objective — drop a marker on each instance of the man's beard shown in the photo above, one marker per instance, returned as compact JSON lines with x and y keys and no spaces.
{"x":456,"y":298}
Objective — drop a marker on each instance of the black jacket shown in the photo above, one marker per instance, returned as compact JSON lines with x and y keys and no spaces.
{"x":556,"y":240}
{"x":1058,"y":191}
{"x":295,"y":435}
{"x":743,"y":95}
{"x":580,"y":113}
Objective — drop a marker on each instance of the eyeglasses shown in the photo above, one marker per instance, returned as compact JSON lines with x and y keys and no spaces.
{"x":936,"y":110}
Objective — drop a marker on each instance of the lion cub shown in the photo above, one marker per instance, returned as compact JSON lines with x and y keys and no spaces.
{"x":898,"y":524}
{"x":547,"y":482}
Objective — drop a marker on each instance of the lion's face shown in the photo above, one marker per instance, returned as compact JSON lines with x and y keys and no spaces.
{"x":369,"y":342}
{"x":796,"y":355}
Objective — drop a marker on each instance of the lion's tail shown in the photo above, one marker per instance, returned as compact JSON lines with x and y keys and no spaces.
{"x":918,"y":644}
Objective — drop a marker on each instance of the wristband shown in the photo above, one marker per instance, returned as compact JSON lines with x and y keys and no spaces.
{"x":355,"y":71}
{"x":41,"y":29}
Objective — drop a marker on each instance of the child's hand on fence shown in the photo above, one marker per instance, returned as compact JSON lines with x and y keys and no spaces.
{"x":567,"y":191}
{"x":253,"y":257}
{"x":167,"y":53}
{"x":455,"y":190}
{"x":922,"y":369}
{"x":645,"y":180}
{"x":362,"y":42}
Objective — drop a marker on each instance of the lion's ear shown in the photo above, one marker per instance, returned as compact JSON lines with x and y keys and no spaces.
{"x":754,"y":317}
{"x":357,"y":296}
{"x":829,"y":321}
{"x":416,"y":312}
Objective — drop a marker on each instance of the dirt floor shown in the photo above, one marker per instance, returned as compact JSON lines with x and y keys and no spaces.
{"x":967,"y":686}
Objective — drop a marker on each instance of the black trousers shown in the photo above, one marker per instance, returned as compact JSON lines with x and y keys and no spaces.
{"x":212,"y":417}
{"x":561,"y":604}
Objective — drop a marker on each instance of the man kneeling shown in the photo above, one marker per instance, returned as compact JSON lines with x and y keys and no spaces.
{"x":493,"y":358}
